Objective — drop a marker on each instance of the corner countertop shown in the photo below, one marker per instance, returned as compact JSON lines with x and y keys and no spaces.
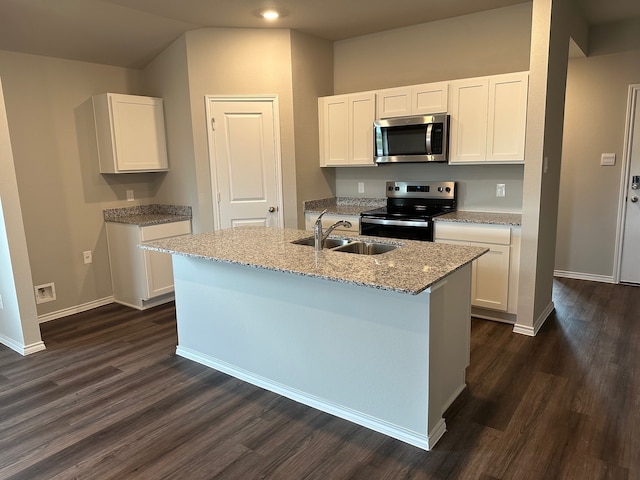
{"x":145,"y":215}
{"x":412,"y":268}
{"x":490,"y":218}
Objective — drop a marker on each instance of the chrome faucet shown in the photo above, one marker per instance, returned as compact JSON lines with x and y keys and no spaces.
{"x":319,"y":236}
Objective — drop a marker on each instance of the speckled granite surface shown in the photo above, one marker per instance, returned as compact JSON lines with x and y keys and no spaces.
{"x":144,"y":215}
{"x":343,"y":205}
{"x":411,"y":268}
{"x":512,"y":219}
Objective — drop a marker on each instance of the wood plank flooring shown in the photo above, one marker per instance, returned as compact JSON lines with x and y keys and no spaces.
{"x":109,"y":399}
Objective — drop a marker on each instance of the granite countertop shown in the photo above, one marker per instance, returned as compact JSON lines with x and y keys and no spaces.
{"x":343,"y":205}
{"x":410,"y":269}
{"x":145,"y":215}
{"x":461,"y":216}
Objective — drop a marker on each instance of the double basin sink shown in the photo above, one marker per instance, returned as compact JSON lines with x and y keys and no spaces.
{"x":350,"y":246}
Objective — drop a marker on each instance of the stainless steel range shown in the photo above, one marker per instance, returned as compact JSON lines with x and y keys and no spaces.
{"x":411,"y":207}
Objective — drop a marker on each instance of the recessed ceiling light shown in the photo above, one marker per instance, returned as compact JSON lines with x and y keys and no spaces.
{"x":270,"y":14}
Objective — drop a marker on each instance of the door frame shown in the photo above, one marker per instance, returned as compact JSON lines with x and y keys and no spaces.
{"x":213,"y":176}
{"x":633,"y":103}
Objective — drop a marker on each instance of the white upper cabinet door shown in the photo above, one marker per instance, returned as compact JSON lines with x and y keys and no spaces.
{"x":130,"y":133}
{"x":507,"y":117}
{"x":394,"y":102}
{"x":334,"y":134}
{"x":429,"y":98}
{"x":362,"y":111}
{"x":346,"y":129}
{"x":422,"y":99}
{"x":468,"y":127}
{"x":488,"y":119}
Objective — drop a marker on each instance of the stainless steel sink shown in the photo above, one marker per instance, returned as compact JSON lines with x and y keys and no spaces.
{"x":349,"y":246}
{"x":365,"y":248}
{"x":328,"y":243}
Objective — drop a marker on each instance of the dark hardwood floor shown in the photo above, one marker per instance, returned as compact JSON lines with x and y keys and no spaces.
{"x":109,"y":399}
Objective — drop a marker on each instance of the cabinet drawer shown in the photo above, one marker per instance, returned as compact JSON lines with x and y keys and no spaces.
{"x":498,"y":235}
{"x":172,"y":229}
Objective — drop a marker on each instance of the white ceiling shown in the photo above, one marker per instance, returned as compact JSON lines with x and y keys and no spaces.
{"x":131,"y":32}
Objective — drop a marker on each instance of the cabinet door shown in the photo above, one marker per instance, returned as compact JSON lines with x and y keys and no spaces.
{"x":362,"y":112}
{"x":138,"y":133}
{"x":507,"y":117}
{"x":394,"y":102}
{"x":158,"y":266}
{"x":490,"y":278}
{"x":334,"y":130}
{"x":429,"y":98}
{"x":468,"y":128}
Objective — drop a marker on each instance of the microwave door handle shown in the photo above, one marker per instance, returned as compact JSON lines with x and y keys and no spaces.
{"x":428,"y":139}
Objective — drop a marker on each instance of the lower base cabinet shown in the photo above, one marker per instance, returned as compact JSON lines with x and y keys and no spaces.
{"x":494,"y":285}
{"x":141,"y":278}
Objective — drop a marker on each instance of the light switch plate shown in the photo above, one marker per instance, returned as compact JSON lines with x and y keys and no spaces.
{"x":360,"y":187}
{"x":608,"y":159}
{"x":500,"y":190}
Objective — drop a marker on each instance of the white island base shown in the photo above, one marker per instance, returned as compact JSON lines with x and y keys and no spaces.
{"x":392,"y":362}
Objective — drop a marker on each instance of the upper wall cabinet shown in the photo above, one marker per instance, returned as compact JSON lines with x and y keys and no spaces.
{"x":130,"y":133}
{"x":413,"y":100}
{"x":488,"y":119}
{"x":346,"y":129}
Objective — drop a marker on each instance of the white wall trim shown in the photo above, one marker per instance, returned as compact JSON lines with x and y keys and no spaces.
{"x":410,"y":437}
{"x":20,"y":348}
{"x":65,"y":312}
{"x":584,"y":276}
{"x":537,"y":325}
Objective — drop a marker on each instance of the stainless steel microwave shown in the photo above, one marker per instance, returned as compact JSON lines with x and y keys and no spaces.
{"x":422,"y":138}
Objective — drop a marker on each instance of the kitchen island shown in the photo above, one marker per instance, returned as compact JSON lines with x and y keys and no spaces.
{"x":380,"y":340}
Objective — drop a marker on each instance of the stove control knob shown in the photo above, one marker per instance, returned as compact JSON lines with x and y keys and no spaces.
{"x":440,"y":189}
{"x":448,"y":189}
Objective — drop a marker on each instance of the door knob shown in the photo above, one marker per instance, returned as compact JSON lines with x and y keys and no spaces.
{"x":272,"y":209}
{"x":634,"y":199}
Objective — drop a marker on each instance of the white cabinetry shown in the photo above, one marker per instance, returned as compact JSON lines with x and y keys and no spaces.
{"x":495,"y":274}
{"x":413,"y":100}
{"x":141,"y":278}
{"x":130,"y":133}
{"x":346,"y":129}
{"x":488,"y":119}
{"x":329,"y":219}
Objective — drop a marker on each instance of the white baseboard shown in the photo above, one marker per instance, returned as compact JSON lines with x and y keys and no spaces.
{"x":73,"y":310}
{"x":20,"y":348}
{"x":425,"y":442}
{"x":537,"y":324}
{"x":584,"y":276}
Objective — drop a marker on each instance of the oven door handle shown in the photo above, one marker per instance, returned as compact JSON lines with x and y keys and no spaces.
{"x":394,"y":223}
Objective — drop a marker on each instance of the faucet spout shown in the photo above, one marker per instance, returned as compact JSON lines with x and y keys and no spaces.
{"x":320,"y":236}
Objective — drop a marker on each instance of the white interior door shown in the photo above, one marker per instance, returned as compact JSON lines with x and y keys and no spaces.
{"x":244,"y":153}
{"x":630,"y":260}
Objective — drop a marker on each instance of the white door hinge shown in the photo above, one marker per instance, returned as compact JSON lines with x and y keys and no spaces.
{"x":219,"y":198}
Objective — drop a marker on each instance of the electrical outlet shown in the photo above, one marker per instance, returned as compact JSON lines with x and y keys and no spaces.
{"x":130,"y":197}
{"x":500,"y":190}
{"x":86,"y":256}
{"x":360,"y":187}
{"x":1,"y":304}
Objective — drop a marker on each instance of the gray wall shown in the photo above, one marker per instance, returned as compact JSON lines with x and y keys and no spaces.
{"x":61,"y":192}
{"x":597,"y":89}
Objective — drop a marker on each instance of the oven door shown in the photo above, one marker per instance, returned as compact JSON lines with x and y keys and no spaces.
{"x":394,"y":228}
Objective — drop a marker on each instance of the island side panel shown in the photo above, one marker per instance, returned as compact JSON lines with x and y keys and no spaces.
{"x":356,"y":352}
{"x":450,"y":340}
